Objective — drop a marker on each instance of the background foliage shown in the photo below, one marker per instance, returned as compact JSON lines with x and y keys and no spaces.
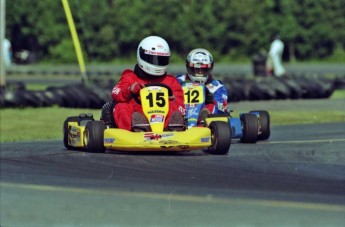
{"x":231,"y":29}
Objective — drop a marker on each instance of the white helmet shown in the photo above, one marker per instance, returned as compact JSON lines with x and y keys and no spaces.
{"x":199,"y":65}
{"x":153,"y":55}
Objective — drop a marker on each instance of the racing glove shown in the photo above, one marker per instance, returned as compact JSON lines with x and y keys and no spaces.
{"x":209,"y":97}
{"x":136,"y":87}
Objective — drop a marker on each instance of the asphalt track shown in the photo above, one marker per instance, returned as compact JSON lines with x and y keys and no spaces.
{"x":296,"y":178}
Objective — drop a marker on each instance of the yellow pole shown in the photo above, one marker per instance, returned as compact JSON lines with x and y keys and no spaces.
{"x":76,"y":42}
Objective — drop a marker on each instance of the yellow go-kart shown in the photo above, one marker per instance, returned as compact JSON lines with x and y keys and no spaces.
{"x":85,"y":133}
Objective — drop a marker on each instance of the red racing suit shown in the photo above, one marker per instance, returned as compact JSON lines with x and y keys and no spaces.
{"x":125,"y":104}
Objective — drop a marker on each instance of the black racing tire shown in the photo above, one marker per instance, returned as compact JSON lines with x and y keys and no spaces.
{"x":260,"y":90}
{"x":42,"y":98}
{"x":94,"y":137}
{"x":65,"y":131}
{"x":264,"y":122}
{"x":295,"y":88}
{"x":65,"y":99}
{"x":78,"y":93}
{"x":81,"y":119}
{"x":281,"y":90}
{"x":249,"y":127}
{"x":20,"y":98}
{"x":52,"y":98}
{"x":29,"y":98}
{"x":235,"y":90}
{"x":220,"y":137}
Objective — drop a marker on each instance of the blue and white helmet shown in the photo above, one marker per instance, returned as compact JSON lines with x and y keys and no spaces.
{"x":199,"y":65}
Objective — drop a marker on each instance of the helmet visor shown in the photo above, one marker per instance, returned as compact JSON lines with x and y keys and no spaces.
{"x":154,"y":59}
{"x":200,"y":71}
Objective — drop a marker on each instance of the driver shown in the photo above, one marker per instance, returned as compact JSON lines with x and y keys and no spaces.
{"x":199,"y":64}
{"x":153,"y":55}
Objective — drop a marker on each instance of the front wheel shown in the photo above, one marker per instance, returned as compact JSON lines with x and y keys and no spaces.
{"x":66,"y":131}
{"x":94,"y":136}
{"x":81,"y":119}
{"x":264,"y":124}
{"x":220,"y":137}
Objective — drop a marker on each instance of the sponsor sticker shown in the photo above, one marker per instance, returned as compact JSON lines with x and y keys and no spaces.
{"x":156,"y":118}
{"x":116,"y":90}
{"x":220,"y":106}
{"x":154,"y":88}
{"x":168,"y":142}
{"x":155,"y":136}
{"x":193,"y":112}
{"x":205,"y":140}
{"x":109,"y":140}
{"x":156,"y":111}
{"x":152,"y":136}
{"x":74,"y":129}
{"x":157,"y":53}
{"x":182,"y":110}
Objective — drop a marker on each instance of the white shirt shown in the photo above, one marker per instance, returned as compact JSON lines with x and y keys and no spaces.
{"x":275,"y":55}
{"x":277,"y":48}
{"x":7,"y":52}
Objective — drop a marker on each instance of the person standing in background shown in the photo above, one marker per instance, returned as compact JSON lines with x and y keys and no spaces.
{"x":274,"y":64}
{"x":7,"y":52}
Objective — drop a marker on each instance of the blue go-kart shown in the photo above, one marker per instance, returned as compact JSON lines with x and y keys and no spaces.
{"x":249,"y":127}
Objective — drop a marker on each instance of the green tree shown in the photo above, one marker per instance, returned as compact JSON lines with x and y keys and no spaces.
{"x":230,"y":29}
{"x":36,"y":27}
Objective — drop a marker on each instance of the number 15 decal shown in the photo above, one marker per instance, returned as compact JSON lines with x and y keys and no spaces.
{"x":159,"y":99}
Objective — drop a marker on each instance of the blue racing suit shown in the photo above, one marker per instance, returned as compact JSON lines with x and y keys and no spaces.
{"x":219,"y":91}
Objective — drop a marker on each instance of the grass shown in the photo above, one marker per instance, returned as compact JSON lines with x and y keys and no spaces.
{"x":36,"y":123}
{"x":306,"y":117}
{"x":24,"y":124}
{"x":339,"y":94}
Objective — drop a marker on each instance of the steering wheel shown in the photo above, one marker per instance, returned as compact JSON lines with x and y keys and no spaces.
{"x":170,"y":92}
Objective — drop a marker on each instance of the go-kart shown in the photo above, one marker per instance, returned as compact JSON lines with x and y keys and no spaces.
{"x":83,"y":132}
{"x":249,"y":127}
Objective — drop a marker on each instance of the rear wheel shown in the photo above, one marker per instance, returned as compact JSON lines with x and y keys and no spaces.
{"x":94,"y":136}
{"x":249,"y":128}
{"x":264,"y":124}
{"x":220,"y":137}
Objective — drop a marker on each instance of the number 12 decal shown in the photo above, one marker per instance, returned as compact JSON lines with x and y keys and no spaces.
{"x":192,"y":96}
